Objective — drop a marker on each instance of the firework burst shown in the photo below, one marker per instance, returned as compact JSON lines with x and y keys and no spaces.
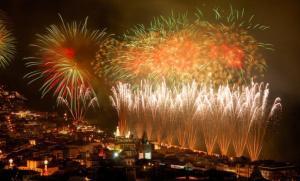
{"x":7,"y":43}
{"x":64,"y":54}
{"x":232,"y":48}
{"x":180,"y":50}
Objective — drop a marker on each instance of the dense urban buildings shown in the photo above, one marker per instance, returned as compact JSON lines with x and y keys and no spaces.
{"x":39,"y":145}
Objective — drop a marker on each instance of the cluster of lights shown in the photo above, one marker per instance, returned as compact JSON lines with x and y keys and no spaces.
{"x":9,"y":124}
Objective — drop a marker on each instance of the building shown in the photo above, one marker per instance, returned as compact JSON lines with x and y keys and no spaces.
{"x":278,"y":170}
{"x":145,"y":148}
{"x":40,"y":166}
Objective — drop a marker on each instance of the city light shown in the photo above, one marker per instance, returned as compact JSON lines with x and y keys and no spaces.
{"x":116,"y":154}
{"x":11,"y":161}
{"x":46,"y":167}
{"x":117,"y":133}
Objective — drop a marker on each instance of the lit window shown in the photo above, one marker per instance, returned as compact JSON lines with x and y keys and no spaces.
{"x":148,"y":155}
{"x":141,"y":155}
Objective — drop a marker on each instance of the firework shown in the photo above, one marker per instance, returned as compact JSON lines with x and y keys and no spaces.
{"x":231,"y":45}
{"x":262,"y":118}
{"x":122,"y":101}
{"x":77,"y":101}
{"x":7,"y":43}
{"x":64,"y":54}
{"x":222,"y":116}
{"x":229,"y":102}
{"x":180,"y":50}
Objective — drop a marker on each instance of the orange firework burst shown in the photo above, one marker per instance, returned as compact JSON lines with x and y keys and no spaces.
{"x":177,"y":50}
{"x":173,"y":54}
{"x":233,"y":56}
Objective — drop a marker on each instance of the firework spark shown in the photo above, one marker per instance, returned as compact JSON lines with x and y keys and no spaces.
{"x":122,"y":101}
{"x":77,"y":101}
{"x":63,"y":58}
{"x":7,"y":43}
{"x":227,"y":115}
{"x":177,"y":49}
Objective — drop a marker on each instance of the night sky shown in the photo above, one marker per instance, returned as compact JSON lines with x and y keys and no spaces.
{"x":29,"y":17}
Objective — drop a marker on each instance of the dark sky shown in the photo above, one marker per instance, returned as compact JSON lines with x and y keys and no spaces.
{"x":29,"y":17}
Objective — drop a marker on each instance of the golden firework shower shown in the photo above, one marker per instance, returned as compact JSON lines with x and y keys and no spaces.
{"x":7,"y":42}
{"x":176,"y":49}
{"x":182,"y":115}
{"x":78,"y":101}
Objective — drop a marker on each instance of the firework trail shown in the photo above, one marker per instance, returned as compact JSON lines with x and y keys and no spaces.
{"x":7,"y":42}
{"x":223,"y":116}
{"x":262,"y":118}
{"x":63,"y":57}
{"x":187,"y":105}
{"x":230,"y":109}
{"x":122,"y":101}
{"x":209,"y":114}
{"x":77,"y":101}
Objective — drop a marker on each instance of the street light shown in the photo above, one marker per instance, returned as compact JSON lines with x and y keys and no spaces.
{"x":11,"y":161}
{"x":46,"y":168}
{"x":65,"y":116}
{"x":116,"y":154}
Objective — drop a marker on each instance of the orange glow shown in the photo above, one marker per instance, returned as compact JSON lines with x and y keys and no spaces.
{"x":177,"y":53}
{"x":183,"y":54}
{"x":233,"y":56}
{"x":68,"y":52}
{"x":1,"y":37}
